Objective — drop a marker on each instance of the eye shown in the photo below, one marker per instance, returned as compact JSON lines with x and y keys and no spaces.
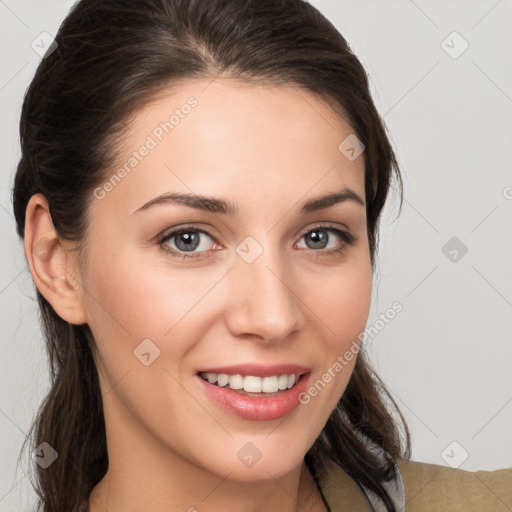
{"x":187,"y":240}
{"x":323,"y":239}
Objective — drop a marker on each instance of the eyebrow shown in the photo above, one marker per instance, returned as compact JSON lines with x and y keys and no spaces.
{"x":225,"y":207}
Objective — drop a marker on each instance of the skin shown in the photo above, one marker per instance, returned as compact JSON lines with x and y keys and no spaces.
{"x":267,"y":149}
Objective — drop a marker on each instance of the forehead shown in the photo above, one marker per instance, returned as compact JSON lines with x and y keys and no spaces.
{"x":226,"y":138}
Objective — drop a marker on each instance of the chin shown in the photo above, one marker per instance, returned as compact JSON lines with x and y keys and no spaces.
{"x":260,"y":459}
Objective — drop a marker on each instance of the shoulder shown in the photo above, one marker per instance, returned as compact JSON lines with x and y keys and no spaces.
{"x":439,"y":488}
{"x":427,"y":488}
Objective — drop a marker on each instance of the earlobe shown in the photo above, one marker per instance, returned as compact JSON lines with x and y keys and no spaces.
{"x":52,"y":266}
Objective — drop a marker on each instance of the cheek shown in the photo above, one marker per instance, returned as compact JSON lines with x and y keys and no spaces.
{"x":140,"y":299}
{"x":344,"y":302}
{"x":130,"y":301}
{"x":343,"y":306}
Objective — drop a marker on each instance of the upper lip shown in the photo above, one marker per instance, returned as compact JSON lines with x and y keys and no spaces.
{"x":258,"y":370}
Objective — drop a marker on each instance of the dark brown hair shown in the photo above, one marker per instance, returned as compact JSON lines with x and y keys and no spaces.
{"x":112,"y":57}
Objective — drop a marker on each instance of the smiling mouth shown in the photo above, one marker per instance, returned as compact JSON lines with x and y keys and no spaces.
{"x":252,"y":385}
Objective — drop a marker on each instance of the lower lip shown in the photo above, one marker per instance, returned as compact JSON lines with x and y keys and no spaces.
{"x":264,"y":408}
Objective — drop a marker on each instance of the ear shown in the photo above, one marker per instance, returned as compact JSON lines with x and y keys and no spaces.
{"x":52,"y":263}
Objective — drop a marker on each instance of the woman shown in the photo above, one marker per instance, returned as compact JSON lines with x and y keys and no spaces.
{"x":199,"y":194}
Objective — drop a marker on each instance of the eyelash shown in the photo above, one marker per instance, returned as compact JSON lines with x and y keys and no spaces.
{"x":347,"y":238}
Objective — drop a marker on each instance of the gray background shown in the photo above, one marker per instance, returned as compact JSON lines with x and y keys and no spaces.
{"x":447,"y":356}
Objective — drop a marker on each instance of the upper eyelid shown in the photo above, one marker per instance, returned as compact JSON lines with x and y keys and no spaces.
{"x":176,"y":231}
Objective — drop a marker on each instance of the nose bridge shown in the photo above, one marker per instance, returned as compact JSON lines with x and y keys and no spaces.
{"x":263,"y":301}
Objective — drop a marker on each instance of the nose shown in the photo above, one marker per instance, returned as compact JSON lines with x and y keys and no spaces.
{"x":263,"y":302}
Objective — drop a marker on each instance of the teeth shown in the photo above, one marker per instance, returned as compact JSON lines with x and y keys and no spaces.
{"x":269,"y":384}
{"x":222,"y":380}
{"x":282,"y":382}
{"x":252,"y":383}
{"x":236,"y":382}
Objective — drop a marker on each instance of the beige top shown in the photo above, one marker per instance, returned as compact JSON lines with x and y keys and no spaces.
{"x":427,"y":488}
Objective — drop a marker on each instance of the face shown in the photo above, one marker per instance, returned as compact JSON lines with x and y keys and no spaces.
{"x":260,"y":286}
